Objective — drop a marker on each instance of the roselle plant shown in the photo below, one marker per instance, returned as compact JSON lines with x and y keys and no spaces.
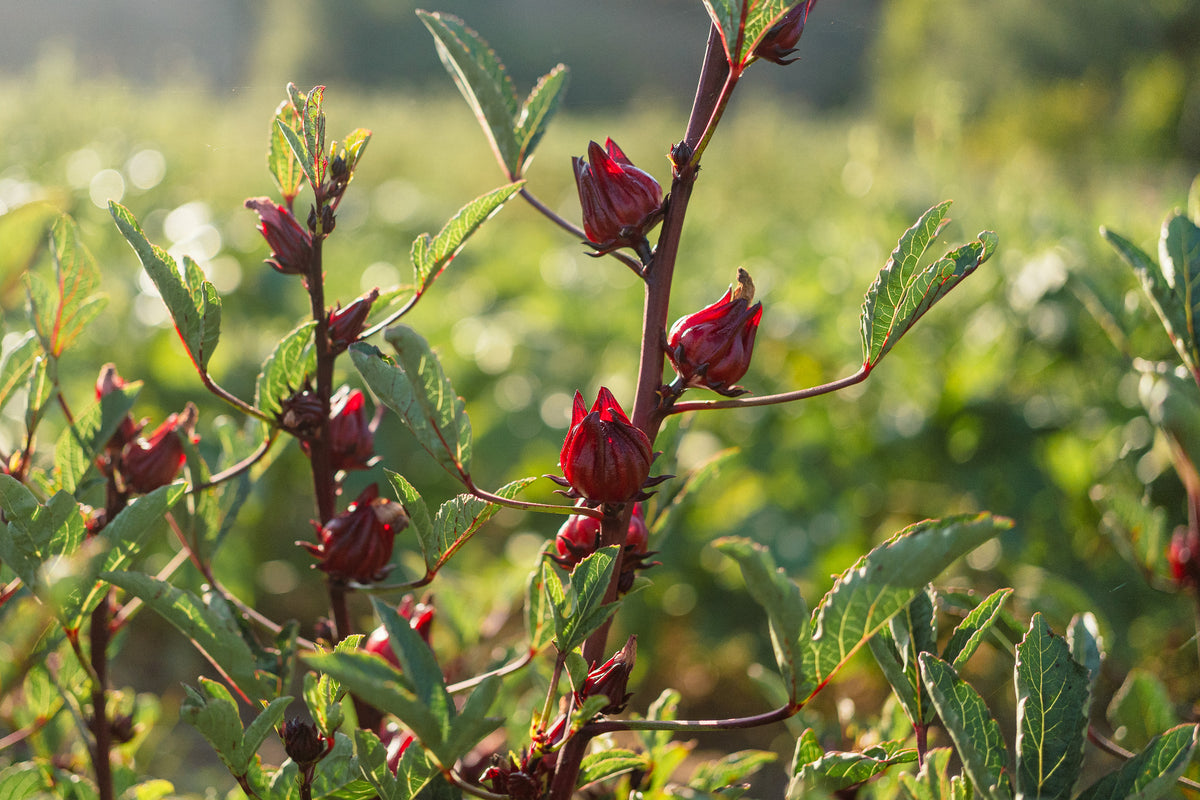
{"x":376,"y":715}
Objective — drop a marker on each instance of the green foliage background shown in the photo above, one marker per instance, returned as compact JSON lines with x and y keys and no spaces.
{"x":1041,"y":121}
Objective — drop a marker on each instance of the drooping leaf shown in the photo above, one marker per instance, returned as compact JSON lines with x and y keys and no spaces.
{"x":1179,"y":259}
{"x":416,"y":388}
{"x":209,"y":625}
{"x":62,"y":310}
{"x":1151,"y":773}
{"x":483,"y":82}
{"x":460,"y":518}
{"x":883,"y":582}
{"x":192,"y":300}
{"x":284,"y":370}
{"x":1052,"y":714}
{"x":742,"y":24}
{"x":974,"y":731}
{"x":787,"y":613}
{"x":902,"y":292}
{"x":431,"y":254}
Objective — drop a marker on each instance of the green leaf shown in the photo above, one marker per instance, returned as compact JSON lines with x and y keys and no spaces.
{"x":416,"y":388}
{"x":123,"y":538}
{"x":787,"y":613}
{"x":483,"y":82}
{"x":209,"y":625}
{"x":193,"y":301}
{"x":431,"y":254}
{"x":413,"y":773}
{"x":460,"y":518}
{"x":61,"y":312}
{"x":82,"y":441}
{"x":743,"y":24}
{"x":281,"y":158}
{"x":974,"y":731}
{"x":1179,"y":259}
{"x":416,"y":661}
{"x":902,"y":293}
{"x":1141,"y":708}
{"x":36,"y":533}
{"x":541,"y":104}
{"x":374,"y":680}
{"x":610,"y":763}
{"x":213,"y":712}
{"x":1087,"y":648}
{"x":712,"y":776}
{"x":835,"y":771}
{"x":21,"y":781}
{"x":472,"y":723}
{"x":16,"y":365}
{"x":970,"y":632}
{"x":583,"y":611}
{"x":933,"y":781}
{"x":418,"y":515}
{"x":883,"y":582}
{"x":40,"y":388}
{"x":1151,"y":773}
{"x":1052,"y":714}
{"x":284,"y":370}
{"x":1161,"y":294}
{"x":323,"y":694}
{"x":539,"y":614}
{"x":896,"y":648}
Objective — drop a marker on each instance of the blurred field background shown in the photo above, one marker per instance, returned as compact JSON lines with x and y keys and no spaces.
{"x":1042,"y":121}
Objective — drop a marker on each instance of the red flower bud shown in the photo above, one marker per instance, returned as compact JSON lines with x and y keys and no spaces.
{"x":345,"y":324}
{"x":108,"y":382}
{"x":351,"y":438}
{"x":620,"y":202}
{"x":610,"y":679}
{"x":146,"y":464}
{"x":301,"y":414}
{"x":712,"y":347}
{"x":579,"y":535}
{"x":604,"y":458}
{"x":420,"y":619}
{"x":356,"y":545}
{"x":1183,"y":557}
{"x":302,"y":742}
{"x":395,"y":741}
{"x":780,"y":42}
{"x":291,"y":245}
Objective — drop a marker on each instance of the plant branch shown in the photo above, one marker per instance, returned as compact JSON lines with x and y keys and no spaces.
{"x":1113,"y":749}
{"x":390,"y":318}
{"x":575,"y":230}
{"x":101,"y":735}
{"x":470,"y":788}
{"x":499,"y":672}
{"x":241,"y":466}
{"x":772,"y":399}
{"x":526,"y":505}
{"x":696,"y":725}
{"x":231,"y":399}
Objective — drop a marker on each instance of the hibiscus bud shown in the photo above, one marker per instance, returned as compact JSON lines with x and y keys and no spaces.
{"x":291,"y":245}
{"x":108,"y":382}
{"x":147,"y":464}
{"x":712,"y":347}
{"x":579,"y":535}
{"x":345,"y":324}
{"x":302,"y":742}
{"x":301,"y":414}
{"x":1183,"y":557}
{"x":620,"y":202}
{"x":420,"y":619}
{"x":780,"y":42}
{"x":610,"y":679}
{"x":356,"y":545}
{"x":604,"y":458}
{"x":351,"y":439}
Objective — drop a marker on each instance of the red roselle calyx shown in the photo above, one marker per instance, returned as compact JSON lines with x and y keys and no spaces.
{"x":780,"y":42}
{"x":1183,"y":557}
{"x":346,"y":324}
{"x":579,"y":537}
{"x":107,"y":382}
{"x":356,"y":545}
{"x":712,"y":347}
{"x":610,"y":679}
{"x":620,"y":202}
{"x":146,"y":464}
{"x":604,"y":458}
{"x":291,"y":245}
{"x":351,"y":437}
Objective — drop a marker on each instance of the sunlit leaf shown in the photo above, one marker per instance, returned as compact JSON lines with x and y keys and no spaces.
{"x":192,"y":300}
{"x":583,"y":609}
{"x":63,"y":309}
{"x":82,"y":441}
{"x":541,"y":104}
{"x":460,"y":518}
{"x":213,"y":712}
{"x":1087,"y":648}
{"x":1053,"y":696}
{"x":431,"y":254}
{"x":969,"y":633}
{"x":743,"y":22}
{"x":17,"y":362}
{"x":281,"y":158}
{"x":284,"y":370}
{"x":1179,"y":260}
{"x":415,"y":387}
{"x":1151,"y":773}
{"x":934,"y":781}
{"x":902,"y":292}
{"x":974,"y":731}
{"x":835,"y":771}
{"x":609,"y":763}
{"x":1141,"y":708}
